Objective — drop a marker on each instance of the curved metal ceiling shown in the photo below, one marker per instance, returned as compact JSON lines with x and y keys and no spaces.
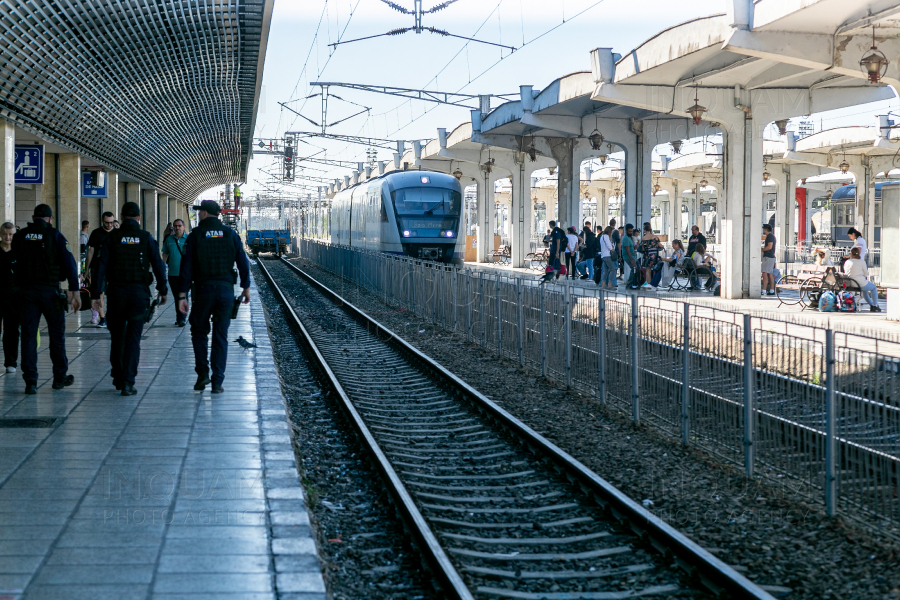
{"x":163,"y":91}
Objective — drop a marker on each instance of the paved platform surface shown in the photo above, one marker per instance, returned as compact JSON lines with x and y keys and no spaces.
{"x":863,"y":322}
{"x":167,"y":495}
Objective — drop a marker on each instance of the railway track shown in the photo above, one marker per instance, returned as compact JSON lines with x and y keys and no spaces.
{"x":496,"y":510}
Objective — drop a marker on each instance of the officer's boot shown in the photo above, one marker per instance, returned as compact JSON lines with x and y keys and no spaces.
{"x":202,"y":381}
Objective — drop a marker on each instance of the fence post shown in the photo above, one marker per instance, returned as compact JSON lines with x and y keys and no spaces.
{"x":468,"y":309}
{"x":434,"y":294}
{"x":686,"y":377}
{"x":748,"y":396}
{"x":520,"y":321}
{"x":454,"y":298}
{"x":635,"y":368}
{"x":568,"y":334}
{"x":499,"y":318}
{"x":830,"y":425}
{"x":482,"y":314}
{"x":601,"y":346}
{"x":543,"y":338}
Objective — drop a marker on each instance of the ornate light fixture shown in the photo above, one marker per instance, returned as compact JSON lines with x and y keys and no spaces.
{"x":532,"y":151}
{"x":781,"y":124}
{"x":875,"y":63}
{"x":458,"y":174}
{"x":488,"y":166}
{"x":676,"y":146}
{"x":596,"y":138}
{"x":656,"y":188}
{"x":696,"y":111}
{"x":766,"y":173}
{"x":844,"y":167}
{"x":603,"y":158}
{"x":703,"y":183}
{"x":552,"y":170}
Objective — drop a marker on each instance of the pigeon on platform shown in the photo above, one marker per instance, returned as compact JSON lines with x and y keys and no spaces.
{"x":244,"y":343}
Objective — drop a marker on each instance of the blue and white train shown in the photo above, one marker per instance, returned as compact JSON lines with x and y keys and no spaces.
{"x":415,"y":213}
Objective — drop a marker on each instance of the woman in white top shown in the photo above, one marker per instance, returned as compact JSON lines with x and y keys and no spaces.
{"x":855,"y":269}
{"x":858,"y":242}
{"x":609,"y":267}
{"x":571,"y":251}
{"x":671,"y":262}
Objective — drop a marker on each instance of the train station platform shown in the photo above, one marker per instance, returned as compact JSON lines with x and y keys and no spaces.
{"x":169,"y":494}
{"x":864,"y":322}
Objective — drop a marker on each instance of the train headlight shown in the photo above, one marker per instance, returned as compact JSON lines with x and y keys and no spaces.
{"x":406,"y":234}
{"x":448,"y":233}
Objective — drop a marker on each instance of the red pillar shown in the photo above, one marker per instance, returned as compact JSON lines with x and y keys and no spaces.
{"x":800,"y":196}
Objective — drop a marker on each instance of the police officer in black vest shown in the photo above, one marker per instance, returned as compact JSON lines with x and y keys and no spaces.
{"x":126,"y":259}
{"x":210,"y":253}
{"x":42,"y":260}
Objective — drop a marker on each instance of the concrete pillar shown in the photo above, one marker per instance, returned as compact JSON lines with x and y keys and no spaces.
{"x":173,"y":209}
{"x":603,"y":208}
{"x":133,"y":194}
{"x":111,"y":202}
{"x":164,"y":217}
{"x":149,"y":213}
{"x":70,"y":200}
{"x":742,"y":222}
{"x":122,"y":199}
{"x":485,"y":216}
{"x":567,"y":181}
{"x":520,"y":214}
{"x":674,"y":218}
{"x":7,"y":174}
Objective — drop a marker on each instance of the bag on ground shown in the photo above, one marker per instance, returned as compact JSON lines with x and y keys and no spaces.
{"x":828,"y":302}
{"x":848,"y":302}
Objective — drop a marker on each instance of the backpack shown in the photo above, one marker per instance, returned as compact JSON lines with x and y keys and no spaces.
{"x":828,"y":302}
{"x":848,"y":302}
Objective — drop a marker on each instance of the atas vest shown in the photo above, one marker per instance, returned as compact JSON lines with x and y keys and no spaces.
{"x":129,"y":256}
{"x":214,"y":252}
{"x":36,"y":262}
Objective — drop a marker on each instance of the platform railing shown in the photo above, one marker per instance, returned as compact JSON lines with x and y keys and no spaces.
{"x":812,"y":410}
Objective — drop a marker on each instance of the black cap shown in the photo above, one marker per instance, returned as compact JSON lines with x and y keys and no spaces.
{"x":210,"y":206}
{"x":130,"y":210}
{"x":42,"y":211}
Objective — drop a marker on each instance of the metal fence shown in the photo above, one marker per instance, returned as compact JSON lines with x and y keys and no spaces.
{"x":806,"y":407}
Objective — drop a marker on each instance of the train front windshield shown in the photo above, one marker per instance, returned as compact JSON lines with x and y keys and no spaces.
{"x":427,"y":211}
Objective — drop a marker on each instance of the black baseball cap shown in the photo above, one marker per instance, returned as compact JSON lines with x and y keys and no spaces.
{"x":210,"y":206}
{"x":130,"y":210}
{"x":42,"y":211}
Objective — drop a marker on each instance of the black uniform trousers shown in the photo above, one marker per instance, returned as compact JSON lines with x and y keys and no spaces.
{"x":36,"y":301}
{"x":175,"y":284}
{"x":125,"y":308}
{"x":211,"y":302}
{"x":9,"y":320}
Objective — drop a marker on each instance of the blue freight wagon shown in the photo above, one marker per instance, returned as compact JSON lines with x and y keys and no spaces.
{"x":276,"y":241}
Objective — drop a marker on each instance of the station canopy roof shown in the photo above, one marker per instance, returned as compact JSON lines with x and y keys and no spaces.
{"x":163,"y":92}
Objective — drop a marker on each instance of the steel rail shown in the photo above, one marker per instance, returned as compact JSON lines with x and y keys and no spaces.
{"x":450,"y":580}
{"x":711,"y":571}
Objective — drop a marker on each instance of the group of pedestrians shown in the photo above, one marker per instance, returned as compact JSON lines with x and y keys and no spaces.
{"x":121,"y":265}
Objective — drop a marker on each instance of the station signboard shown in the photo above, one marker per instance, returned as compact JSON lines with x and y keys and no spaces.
{"x":29,"y":164}
{"x":88,"y":190}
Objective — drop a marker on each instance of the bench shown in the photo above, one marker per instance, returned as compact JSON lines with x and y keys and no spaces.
{"x":537,"y":260}
{"x":809,"y":279}
{"x":502,"y":255}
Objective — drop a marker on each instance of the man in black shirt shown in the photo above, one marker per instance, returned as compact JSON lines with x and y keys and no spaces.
{"x":696,"y":238}
{"x":768,"y":261}
{"x":95,"y":242}
{"x":557,"y":247}
{"x":616,"y":238}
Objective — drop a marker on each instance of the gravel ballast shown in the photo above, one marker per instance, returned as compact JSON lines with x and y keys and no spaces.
{"x":361,"y":540}
{"x":766,"y":530}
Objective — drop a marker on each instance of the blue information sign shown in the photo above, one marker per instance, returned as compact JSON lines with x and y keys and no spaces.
{"x":93,"y":191}
{"x":29,"y":164}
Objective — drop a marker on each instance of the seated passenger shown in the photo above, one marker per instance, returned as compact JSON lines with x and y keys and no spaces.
{"x":855,"y":269}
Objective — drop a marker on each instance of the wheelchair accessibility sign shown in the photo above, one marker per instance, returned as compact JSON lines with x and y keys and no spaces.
{"x":29,"y":164}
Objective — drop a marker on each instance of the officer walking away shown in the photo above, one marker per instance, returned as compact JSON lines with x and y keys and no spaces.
{"x":172,"y":251}
{"x":9,"y":299}
{"x":208,"y":263}
{"x":42,"y":260}
{"x":125,"y":263}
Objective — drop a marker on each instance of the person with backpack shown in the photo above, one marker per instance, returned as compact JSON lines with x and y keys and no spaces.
{"x":609,"y":265}
{"x":586,"y":266}
{"x":571,"y":251}
{"x":557,"y":245}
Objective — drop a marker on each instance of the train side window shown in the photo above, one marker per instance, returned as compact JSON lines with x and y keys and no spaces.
{"x":383,"y":213}
{"x":839,"y":215}
{"x":848,"y":217}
